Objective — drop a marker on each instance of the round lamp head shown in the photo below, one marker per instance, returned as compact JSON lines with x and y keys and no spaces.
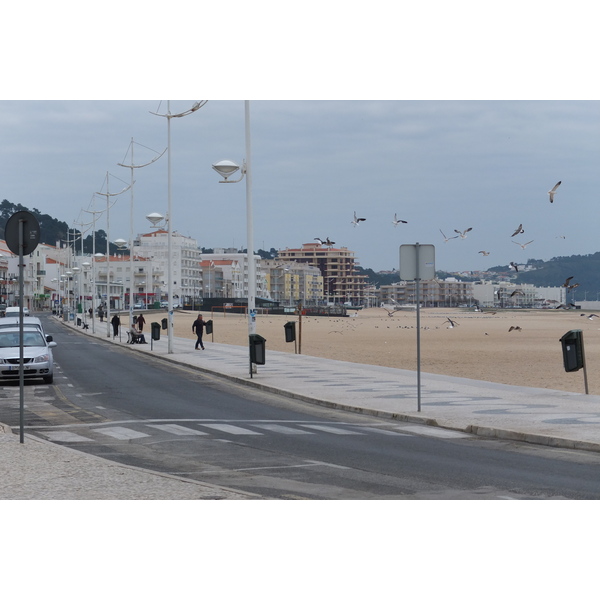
{"x":225,"y":168}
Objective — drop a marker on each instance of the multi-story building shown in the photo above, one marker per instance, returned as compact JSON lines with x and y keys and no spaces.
{"x":290,"y":282}
{"x":449,"y":292}
{"x":341,"y":281}
{"x":185,"y":262}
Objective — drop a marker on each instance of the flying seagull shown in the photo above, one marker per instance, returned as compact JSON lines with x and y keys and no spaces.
{"x":452,"y":323}
{"x":463,"y":234}
{"x":590,"y":317}
{"x":514,"y":266}
{"x":396,"y":220}
{"x":517,"y":292}
{"x":553,"y":191}
{"x":446,"y":239}
{"x":357,"y":220}
{"x":513,"y":328}
{"x":567,"y":281}
{"x":484,"y":252}
{"x":519,"y":229}
{"x":522,"y":245}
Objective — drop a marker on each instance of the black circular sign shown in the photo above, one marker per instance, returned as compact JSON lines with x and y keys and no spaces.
{"x":31,"y":232}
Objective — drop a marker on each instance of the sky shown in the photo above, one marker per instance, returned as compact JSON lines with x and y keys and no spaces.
{"x":440,"y":165}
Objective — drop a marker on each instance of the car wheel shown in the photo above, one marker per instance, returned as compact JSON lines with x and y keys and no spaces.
{"x":49,"y":378}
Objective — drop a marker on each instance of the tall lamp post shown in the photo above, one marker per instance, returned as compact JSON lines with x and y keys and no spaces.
{"x":225,"y":169}
{"x":168,"y":115}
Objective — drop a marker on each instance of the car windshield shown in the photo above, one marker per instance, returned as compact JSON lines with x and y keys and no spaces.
{"x":9,"y":339}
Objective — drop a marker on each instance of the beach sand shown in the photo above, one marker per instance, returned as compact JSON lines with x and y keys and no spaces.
{"x":479,"y":347}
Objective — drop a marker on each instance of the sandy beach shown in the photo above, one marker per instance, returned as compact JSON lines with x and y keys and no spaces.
{"x":480,"y":346}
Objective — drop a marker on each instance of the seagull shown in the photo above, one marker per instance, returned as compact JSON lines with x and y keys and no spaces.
{"x":522,"y":245}
{"x":517,"y":292}
{"x":328,"y":242}
{"x":519,"y":229}
{"x":390,"y":312}
{"x":463,"y":234}
{"x":514,"y":266}
{"x":446,"y":239}
{"x":484,"y":253}
{"x":396,"y":220}
{"x":572,"y":287}
{"x":567,"y":280}
{"x":590,"y":317}
{"x":517,"y":328}
{"x":357,"y":220}
{"x":452,"y":323}
{"x":553,"y":191}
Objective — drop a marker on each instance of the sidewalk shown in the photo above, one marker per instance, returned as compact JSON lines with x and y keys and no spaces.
{"x":548,"y":417}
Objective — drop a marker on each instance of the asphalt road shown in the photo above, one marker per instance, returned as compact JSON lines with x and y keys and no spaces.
{"x":141,"y":411}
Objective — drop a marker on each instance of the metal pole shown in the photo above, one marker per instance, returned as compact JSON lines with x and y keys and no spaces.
{"x":417,"y":280}
{"x":169,"y":236}
{"x":250,"y":235}
{"x":107,"y":258}
{"x":585,"y":379}
{"x":21,"y":365}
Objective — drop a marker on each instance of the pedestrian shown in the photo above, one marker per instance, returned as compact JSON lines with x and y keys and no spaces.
{"x":101,"y":314}
{"x":140,"y":322}
{"x":90,"y":312}
{"x":198,"y":327}
{"x":116,"y":322}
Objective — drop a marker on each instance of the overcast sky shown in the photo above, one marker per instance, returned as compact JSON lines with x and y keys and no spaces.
{"x":440,"y":165}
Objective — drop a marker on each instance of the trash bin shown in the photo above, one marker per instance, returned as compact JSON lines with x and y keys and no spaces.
{"x":572,"y":347}
{"x":290,"y":331}
{"x":257,"y":349}
{"x":78,"y":322}
{"x":164,"y":323}
{"x":208,"y":326}
{"x":155,"y":327}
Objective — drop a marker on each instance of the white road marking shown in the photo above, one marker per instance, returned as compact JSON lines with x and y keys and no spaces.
{"x":121,"y":433}
{"x":178,"y":429}
{"x":66,"y":436}
{"x":334,"y":430}
{"x":233,"y":429}
{"x":433,"y":431}
{"x":284,"y":429}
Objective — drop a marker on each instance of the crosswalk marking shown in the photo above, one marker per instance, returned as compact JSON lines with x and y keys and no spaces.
{"x":66,"y":436}
{"x":284,"y":429}
{"x":232,"y":429}
{"x":334,"y":430}
{"x":178,"y":429}
{"x":121,"y":433}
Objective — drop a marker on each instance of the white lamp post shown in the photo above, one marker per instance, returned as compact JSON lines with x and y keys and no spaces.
{"x":170,"y":116}
{"x":226,"y":168}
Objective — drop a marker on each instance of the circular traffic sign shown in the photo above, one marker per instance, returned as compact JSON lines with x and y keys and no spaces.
{"x":31,"y":232}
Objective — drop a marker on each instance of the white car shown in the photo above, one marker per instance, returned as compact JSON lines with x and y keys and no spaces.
{"x":13,"y":311}
{"x":38,"y":362}
{"x":13,"y":321}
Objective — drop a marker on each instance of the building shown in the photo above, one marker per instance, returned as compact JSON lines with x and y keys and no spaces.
{"x":449,"y":292}
{"x":290,"y":282}
{"x":341,"y":281}
{"x":185,"y":263}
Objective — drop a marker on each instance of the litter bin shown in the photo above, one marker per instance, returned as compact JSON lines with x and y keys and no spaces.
{"x":257,"y":349}
{"x":164,"y":323}
{"x":208,"y":326}
{"x":155,"y":327}
{"x":290,"y":331}
{"x":78,"y":322}
{"x":572,"y":347}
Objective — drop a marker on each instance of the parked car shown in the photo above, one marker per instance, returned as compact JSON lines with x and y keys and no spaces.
{"x":13,"y":321}
{"x":38,"y":362}
{"x":139,"y":305}
{"x":12,"y":311}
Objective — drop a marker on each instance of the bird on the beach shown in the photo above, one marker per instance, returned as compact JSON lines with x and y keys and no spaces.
{"x":515,"y":328}
{"x":514,"y":266}
{"x":463,"y":234}
{"x":451,"y":323}
{"x":522,"y":245}
{"x":397,"y":221}
{"x":447,"y":239}
{"x":484,"y":252}
{"x":357,"y":220}
{"x":518,"y":230}
{"x":553,"y":191}
{"x":590,"y":317}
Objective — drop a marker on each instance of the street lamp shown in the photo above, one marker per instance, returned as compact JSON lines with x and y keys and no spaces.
{"x":226,"y":169}
{"x":169,"y":116}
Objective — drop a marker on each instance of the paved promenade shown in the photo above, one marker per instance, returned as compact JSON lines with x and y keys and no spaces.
{"x":38,"y":469}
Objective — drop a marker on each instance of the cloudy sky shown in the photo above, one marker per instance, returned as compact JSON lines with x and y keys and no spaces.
{"x":439,"y":164}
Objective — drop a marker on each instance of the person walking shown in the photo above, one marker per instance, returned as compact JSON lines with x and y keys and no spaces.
{"x":140,"y":322}
{"x":116,"y":322}
{"x":101,"y":314}
{"x":198,"y":327}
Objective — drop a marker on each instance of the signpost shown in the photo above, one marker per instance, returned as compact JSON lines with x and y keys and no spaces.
{"x":417,"y":261}
{"x":22,"y":234}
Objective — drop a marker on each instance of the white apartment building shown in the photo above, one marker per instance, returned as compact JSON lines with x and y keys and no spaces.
{"x":185,"y":262}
